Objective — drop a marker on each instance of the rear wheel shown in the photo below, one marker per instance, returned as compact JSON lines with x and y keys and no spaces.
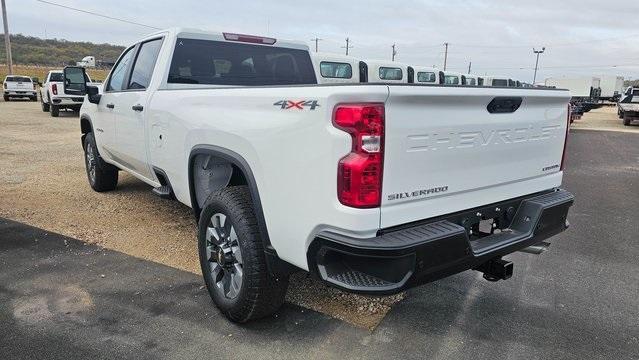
{"x":232,"y":258}
{"x":102,"y":175}
{"x":626,"y":120}
{"x":45,"y":106}
{"x":55,"y":110}
{"x":34,"y":98}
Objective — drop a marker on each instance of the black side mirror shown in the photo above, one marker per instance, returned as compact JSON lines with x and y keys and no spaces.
{"x":75,"y":81}
{"x":93,"y":94}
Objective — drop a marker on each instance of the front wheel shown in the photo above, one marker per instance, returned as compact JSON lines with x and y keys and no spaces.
{"x":626,"y":120}
{"x":232,"y":258}
{"x":102,"y":176}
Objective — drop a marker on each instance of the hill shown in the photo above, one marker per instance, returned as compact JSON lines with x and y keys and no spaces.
{"x":30,"y":50}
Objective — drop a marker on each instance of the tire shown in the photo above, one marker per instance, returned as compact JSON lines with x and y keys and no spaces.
{"x":5,"y":97}
{"x":102,"y":176}
{"x":45,"y":106}
{"x":619,"y":114}
{"x":626,"y":120}
{"x":34,"y":98}
{"x":226,"y":212}
{"x":55,"y":110}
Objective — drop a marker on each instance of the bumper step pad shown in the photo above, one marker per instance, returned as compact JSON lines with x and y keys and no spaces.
{"x":409,"y":256}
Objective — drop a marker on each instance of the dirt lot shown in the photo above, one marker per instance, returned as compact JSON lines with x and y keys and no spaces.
{"x":44,"y":184}
{"x":604,"y":119}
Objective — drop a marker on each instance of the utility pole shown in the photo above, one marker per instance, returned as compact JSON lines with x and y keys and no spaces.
{"x":7,"y":40}
{"x":317,"y":40}
{"x":348,"y":46}
{"x":394,"y":53}
{"x":538,"y":52}
{"x":470,"y":63}
{"x":445,"y":55}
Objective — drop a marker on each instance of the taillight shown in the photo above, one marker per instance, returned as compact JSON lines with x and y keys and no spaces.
{"x":34,"y":86}
{"x":4,"y":85}
{"x":359,"y":174}
{"x":54,"y":89}
{"x":563,"y":155}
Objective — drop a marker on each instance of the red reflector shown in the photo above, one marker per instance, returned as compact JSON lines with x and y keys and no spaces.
{"x":54,"y":89}
{"x":359,"y":174}
{"x":249,"y":38}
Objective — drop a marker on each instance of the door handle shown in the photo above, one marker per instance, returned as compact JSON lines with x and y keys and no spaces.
{"x":110,"y":106}
{"x":137,"y":107}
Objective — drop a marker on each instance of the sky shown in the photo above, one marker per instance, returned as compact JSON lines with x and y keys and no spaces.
{"x":581,"y":37}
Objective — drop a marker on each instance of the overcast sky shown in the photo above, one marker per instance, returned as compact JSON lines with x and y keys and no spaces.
{"x":581,"y":37}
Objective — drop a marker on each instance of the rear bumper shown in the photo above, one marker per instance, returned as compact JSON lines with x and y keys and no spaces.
{"x":418,"y":253}
{"x":20,"y":92}
{"x":67,"y":100}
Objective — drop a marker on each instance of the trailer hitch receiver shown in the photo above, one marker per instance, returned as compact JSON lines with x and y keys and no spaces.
{"x":496,"y":269}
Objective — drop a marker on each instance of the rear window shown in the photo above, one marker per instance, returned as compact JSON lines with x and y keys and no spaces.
{"x":425,"y":76}
{"x":388,"y":73}
{"x":500,"y":82}
{"x":471,"y":81}
{"x":18,"y":79}
{"x":222,"y":63}
{"x":451,"y":79}
{"x":57,"y":77}
{"x":336,"y":70}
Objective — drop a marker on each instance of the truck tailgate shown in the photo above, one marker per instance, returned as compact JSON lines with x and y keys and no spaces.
{"x":445,"y":152}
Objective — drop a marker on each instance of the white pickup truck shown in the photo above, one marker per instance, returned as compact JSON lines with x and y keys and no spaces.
{"x":16,"y":86}
{"x":628,"y":106}
{"x":52,"y":95}
{"x":372,"y":188}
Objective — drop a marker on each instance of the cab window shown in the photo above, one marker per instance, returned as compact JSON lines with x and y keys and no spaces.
{"x":144,"y":64}
{"x":116,"y":80}
{"x":336,"y":70}
{"x":388,"y":73}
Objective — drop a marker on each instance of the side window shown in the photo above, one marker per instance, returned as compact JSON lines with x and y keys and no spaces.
{"x":336,"y":70}
{"x":451,"y":80}
{"x":118,"y":73}
{"x":144,"y":64}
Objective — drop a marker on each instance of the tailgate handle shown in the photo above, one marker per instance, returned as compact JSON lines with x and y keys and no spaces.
{"x":503,"y":105}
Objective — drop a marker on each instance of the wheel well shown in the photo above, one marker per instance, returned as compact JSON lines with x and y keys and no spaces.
{"x":210,"y":173}
{"x":85,"y":126}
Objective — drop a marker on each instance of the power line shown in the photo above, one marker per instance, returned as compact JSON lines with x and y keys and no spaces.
{"x":317,"y":40}
{"x":97,"y":14}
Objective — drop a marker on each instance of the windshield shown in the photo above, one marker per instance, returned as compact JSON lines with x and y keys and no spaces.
{"x":223,"y":63}
{"x":451,"y":79}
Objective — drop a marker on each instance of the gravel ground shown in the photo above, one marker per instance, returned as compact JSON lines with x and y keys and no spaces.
{"x":604,"y":119}
{"x":44,"y":184}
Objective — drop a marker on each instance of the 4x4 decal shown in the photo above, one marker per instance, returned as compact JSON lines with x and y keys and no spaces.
{"x":300,"y":105}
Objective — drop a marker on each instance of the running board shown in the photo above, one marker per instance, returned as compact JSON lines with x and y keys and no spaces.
{"x":165,"y":192}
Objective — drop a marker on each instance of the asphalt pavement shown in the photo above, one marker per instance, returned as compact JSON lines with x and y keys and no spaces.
{"x":63,"y":299}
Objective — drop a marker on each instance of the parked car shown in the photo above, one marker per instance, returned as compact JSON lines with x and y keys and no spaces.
{"x":628,"y":107}
{"x":17,"y":86}
{"x":336,"y":69}
{"x":285,"y":175}
{"x":53,"y":98}
{"x":426,"y":75}
{"x":471,"y":80}
{"x":497,"y":81}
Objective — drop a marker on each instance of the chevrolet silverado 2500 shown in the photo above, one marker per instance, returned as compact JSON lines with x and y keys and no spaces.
{"x":15,"y":86}
{"x":373,"y":188}
{"x":53,"y":98}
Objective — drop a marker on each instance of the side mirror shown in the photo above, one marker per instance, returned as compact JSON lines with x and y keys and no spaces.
{"x":75,"y":81}
{"x":93,"y":94}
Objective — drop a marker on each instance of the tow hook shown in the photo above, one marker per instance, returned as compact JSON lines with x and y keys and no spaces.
{"x":496,"y":269}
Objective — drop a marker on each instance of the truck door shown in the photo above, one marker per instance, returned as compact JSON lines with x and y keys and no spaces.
{"x":104,"y":122}
{"x":131,"y":137}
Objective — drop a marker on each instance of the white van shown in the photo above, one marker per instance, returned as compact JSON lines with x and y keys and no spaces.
{"x":336,"y":69}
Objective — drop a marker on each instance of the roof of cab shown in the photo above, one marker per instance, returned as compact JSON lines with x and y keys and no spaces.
{"x":193,"y":33}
